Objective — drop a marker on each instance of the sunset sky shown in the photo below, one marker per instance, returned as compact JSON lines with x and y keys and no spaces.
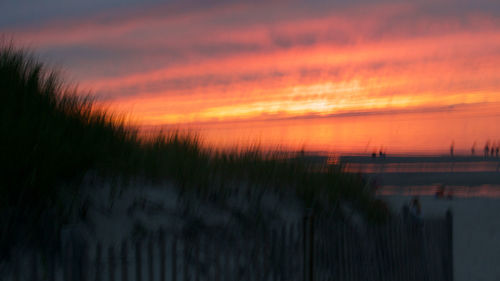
{"x":206,"y":62}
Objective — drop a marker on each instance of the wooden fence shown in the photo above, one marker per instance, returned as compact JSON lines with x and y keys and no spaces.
{"x":315,"y":249}
{"x":401,"y":250}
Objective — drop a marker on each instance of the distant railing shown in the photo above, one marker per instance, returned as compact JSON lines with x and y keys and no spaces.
{"x":315,"y":249}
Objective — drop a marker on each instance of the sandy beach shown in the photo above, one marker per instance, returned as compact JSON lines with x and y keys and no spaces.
{"x":476,"y":233}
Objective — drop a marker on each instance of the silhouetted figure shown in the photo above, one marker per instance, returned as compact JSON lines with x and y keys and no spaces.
{"x":492,"y":151}
{"x":381,"y":153}
{"x":361,"y":178}
{"x":415,"y":208}
{"x":451,"y":149}
{"x":374,"y":155}
{"x":440,"y":191}
{"x":473,"y":149}
{"x":486,"y":149}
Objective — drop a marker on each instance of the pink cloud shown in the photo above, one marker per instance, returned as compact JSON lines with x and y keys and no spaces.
{"x":248,"y":58}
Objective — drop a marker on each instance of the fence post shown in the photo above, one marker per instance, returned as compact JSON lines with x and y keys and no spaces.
{"x":283,"y":253}
{"x":291,"y":252}
{"x":51,"y":267}
{"x":98,"y":262}
{"x":150,"y":259}
{"x":308,"y":237}
{"x":17,"y":274}
{"x":274,"y":256}
{"x":304,"y":248}
{"x":311,"y":248}
{"x":138,"y":262}
{"x":34,"y":266}
{"x":174,"y":258}
{"x":111,"y":263}
{"x":257,"y":250}
{"x":162,"y":254}
{"x":124,"y":261}
{"x":217,"y":262}
{"x":449,"y":252}
{"x":197,"y":260}
{"x":85,"y":260}
{"x":185,"y":260}
{"x":207,"y":251}
{"x":68,"y":262}
{"x":266,"y":255}
{"x":227,"y":264}
{"x":239,"y":273}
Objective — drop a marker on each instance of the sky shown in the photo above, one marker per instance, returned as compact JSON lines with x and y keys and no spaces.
{"x":206,"y":62}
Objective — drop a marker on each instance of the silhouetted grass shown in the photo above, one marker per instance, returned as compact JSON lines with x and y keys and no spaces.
{"x":51,"y":137}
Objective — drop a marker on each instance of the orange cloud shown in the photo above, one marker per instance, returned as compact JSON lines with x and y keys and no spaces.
{"x":252,"y":61}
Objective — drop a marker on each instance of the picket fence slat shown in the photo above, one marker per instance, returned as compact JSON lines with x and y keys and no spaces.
{"x":138,"y":261}
{"x":124,"y":263}
{"x":315,"y":248}
{"x":111,"y":262}
{"x":185,"y":261}
{"x":51,"y":274}
{"x":197,"y":274}
{"x":98,"y":268}
{"x":161,"y":241}
{"x":34,"y":267}
{"x":150,"y":259}
{"x":206,"y":259}
{"x":173,"y":254}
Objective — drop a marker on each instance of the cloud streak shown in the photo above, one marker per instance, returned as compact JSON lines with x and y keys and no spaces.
{"x":195,"y":62}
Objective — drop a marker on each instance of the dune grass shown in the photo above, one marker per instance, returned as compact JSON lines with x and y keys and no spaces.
{"x":52,"y":136}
